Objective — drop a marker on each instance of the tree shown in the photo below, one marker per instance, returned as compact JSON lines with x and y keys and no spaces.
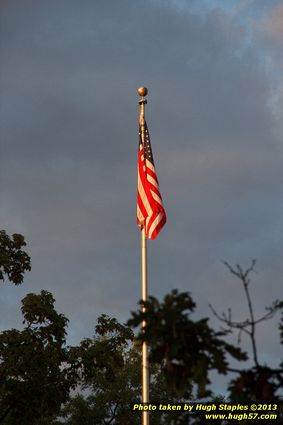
{"x":110,"y":375}
{"x":14,"y":261}
{"x":37,"y":370}
{"x":186,"y":349}
{"x":109,"y":371}
{"x":34,"y":377}
{"x":109,"y":366}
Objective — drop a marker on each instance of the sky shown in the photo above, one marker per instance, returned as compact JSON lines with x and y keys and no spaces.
{"x":69,"y":74}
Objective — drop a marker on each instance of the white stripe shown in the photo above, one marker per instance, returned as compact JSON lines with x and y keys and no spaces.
{"x":156,"y":197}
{"x":149,"y":165}
{"x":152,"y":181}
{"x":140,"y":214}
{"x":143,"y":196}
{"x":154,"y":224}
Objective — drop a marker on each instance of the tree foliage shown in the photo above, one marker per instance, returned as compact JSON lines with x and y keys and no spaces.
{"x":108,"y":372}
{"x":110,"y":375}
{"x":14,"y":261}
{"x":33,"y":381}
{"x":38,"y":370}
{"x":187,"y":349}
{"x":182,"y":353}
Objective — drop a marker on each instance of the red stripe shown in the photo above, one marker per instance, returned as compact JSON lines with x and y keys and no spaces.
{"x":141,"y":207}
{"x":155,"y":190}
{"x":152,"y":174}
{"x":158,"y":227}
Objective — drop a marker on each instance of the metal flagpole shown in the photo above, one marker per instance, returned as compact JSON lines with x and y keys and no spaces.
{"x":142,"y":91}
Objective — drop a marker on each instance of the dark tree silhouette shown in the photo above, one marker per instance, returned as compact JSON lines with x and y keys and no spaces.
{"x":187,"y":349}
{"x":14,"y":261}
{"x":33,"y":379}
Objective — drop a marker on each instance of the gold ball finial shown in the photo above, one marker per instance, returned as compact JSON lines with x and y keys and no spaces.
{"x":142,"y":91}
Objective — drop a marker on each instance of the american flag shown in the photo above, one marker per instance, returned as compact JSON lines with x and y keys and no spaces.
{"x":150,"y":210}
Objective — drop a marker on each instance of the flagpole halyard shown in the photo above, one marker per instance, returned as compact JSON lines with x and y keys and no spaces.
{"x":142,"y":91}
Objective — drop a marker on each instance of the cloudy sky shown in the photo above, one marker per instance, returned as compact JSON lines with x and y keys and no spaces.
{"x":69,"y":73}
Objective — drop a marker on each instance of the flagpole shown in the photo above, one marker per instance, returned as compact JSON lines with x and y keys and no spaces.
{"x":142,"y":91}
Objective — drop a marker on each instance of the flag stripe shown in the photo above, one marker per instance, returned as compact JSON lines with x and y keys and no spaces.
{"x":156,"y":197}
{"x":144,"y":198}
{"x":152,"y":181}
{"x":142,"y":213}
{"x":154,"y":224}
{"x":150,"y":166}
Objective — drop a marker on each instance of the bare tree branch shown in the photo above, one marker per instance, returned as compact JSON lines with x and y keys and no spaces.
{"x":247,"y":326}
